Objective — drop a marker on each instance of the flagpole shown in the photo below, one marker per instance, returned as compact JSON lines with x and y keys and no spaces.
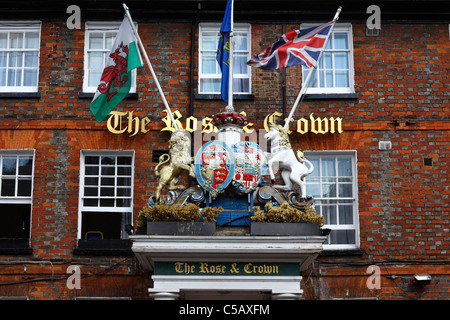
{"x":305,"y":85}
{"x":169,"y":112}
{"x":230,"y":106}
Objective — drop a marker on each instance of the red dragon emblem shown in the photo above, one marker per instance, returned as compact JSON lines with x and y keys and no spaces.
{"x":112,"y":74}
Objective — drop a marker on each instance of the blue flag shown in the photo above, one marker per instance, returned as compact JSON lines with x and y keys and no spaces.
{"x":223,"y":51}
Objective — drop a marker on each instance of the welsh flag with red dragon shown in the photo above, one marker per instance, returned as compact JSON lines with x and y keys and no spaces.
{"x":115,"y":82}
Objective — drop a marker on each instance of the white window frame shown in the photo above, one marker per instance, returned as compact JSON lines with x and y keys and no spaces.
{"x":18,"y":199}
{"x":338,"y":28}
{"x":82,"y":208}
{"x":21,"y":27}
{"x":215,"y":27}
{"x":103,"y":27}
{"x":355,"y":226}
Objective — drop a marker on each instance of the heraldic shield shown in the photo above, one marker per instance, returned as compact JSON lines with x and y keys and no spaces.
{"x":249,"y":166}
{"x":214,"y":167}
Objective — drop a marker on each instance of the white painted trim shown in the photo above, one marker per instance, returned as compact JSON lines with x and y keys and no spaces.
{"x":274,"y":284}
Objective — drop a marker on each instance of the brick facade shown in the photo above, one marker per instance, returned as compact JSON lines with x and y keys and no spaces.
{"x":402,"y":82}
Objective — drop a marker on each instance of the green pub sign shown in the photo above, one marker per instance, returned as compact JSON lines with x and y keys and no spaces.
{"x":227,"y":268}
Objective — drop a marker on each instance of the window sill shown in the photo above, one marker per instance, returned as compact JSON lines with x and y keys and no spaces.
{"x":105,"y":247}
{"x":15,"y":246}
{"x":330,"y":96}
{"x":90,"y":95}
{"x":207,"y":96}
{"x":22,"y":95}
{"x":343,"y":252}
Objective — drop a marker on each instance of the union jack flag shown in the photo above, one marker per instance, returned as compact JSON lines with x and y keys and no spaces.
{"x":298,"y":47}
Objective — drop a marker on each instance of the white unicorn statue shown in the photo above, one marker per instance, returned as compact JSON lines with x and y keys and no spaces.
{"x":293,"y":169}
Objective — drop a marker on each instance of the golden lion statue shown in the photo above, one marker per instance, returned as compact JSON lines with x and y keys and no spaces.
{"x":180,"y":159}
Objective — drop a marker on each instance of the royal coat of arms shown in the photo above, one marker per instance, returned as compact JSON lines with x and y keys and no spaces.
{"x":249,"y":166}
{"x":214,"y":167}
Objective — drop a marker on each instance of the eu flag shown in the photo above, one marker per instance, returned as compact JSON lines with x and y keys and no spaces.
{"x":223,"y":51}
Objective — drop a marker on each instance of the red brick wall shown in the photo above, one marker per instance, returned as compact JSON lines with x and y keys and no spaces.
{"x":402,"y":82}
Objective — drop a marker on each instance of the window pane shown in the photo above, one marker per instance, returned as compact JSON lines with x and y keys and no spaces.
{"x":209,"y":42}
{"x":345,"y":215}
{"x":8,"y":187}
{"x":123,"y":202}
{"x":14,"y":77}
{"x":341,"y":78}
{"x":30,"y":77}
{"x":101,"y":225}
{"x":24,"y":188}
{"x":107,"y":181}
{"x":344,"y":167}
{"x":91,"y":170}
{"x":9,"y":165}
{"x":31,"y":59}
{"x":3,"y":40}
{"x":240,"y":64}
{"x":124,"y":171}
{"x":210,"y":85}
{"x":15,"y":59}
{"x":89,"y":181}
{"x":91,"y":191}
{"x":108,"y":171}
{"x":313,"y":83}
{"x":108,"y":160}
{"x":32,"y":40}
{"x":345,"y":190}
{"x":109,"y":40}
{"x":90,"y":203}
{"x":2,"y":76}
{"x":124,"y":181}
{"x":329,"y":82}
{"x":342,"y":236}
{"x":123,"y":192}
{"x":315,"y":163}
{"x":91,"y":159}
{"x":108,"y":192}
{"x":327,"y":60}
{"x":3,"y":58}
{"x":329,"y":213}
{"x":106,"y":202}
{"x":341,"y":60}
{"x":124,"y":160}
{"x":209,"y":65}
{"x":94,"y":77}
{"x":16,"y":40}
{"x":15,"y":220}
{"x":95,"y":60}
{"x":95,"y":40}
{"x":241,"y":85}
{"x":240,"y":41}
{"x":314,"y":190}
{"x":328,"y":168}
{"x":340,"y":41}
{"x":328,"y":190}
{"x":25,"y":165}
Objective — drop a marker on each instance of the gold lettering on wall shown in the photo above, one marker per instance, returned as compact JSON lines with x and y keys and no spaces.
{"x":121,"y":122}
{"x":118,"y":122}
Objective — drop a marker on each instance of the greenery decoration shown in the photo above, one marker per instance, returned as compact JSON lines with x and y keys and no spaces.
{"x":286,"y":214}
{"x":188,"y":212}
